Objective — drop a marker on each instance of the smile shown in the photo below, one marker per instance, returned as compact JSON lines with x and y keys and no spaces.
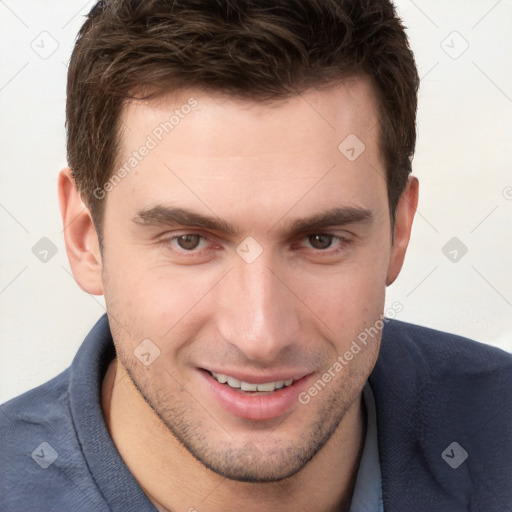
{"x":247,"y":386}
{"x":262,"y":398}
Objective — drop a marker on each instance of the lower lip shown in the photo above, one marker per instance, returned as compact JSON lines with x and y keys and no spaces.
{"x":257,"y":407}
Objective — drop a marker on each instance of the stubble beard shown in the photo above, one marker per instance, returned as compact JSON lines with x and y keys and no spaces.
{"x":241,"y":460}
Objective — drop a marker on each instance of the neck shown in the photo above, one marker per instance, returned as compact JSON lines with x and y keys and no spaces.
{"x":174,"y":480}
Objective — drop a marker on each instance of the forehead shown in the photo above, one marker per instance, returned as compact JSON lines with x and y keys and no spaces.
{"x":348,"y":107}
{"x":222,"y":153}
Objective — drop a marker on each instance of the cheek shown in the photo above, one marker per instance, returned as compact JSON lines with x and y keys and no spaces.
{"x":153,"y":300}
{"x":351,"y":302}
{"x":350,"y":298}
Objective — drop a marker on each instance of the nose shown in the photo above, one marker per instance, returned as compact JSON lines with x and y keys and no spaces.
{"x":258,"y":312}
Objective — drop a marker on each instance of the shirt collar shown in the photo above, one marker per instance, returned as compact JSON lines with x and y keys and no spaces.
{"x":367,"y":495}
{"x":112,"y":476}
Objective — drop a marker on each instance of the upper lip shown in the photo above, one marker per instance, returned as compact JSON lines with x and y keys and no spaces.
{"x":252,"y":378}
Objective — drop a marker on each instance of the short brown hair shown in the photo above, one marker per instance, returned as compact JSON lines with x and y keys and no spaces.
{"x":252,"y":49}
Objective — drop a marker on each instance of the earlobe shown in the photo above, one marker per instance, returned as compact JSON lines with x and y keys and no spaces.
{"x":404,"y":217}
{"x":82,"y":245}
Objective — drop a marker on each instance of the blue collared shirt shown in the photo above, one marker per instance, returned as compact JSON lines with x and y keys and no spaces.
{"x":367,"y":495}
{"x":60,"y":455}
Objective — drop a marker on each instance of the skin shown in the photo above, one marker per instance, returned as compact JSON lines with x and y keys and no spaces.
{"x":261,"y":168}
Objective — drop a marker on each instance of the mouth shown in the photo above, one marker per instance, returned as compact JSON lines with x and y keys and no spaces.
{"x":265,"y":387}
{"x":252,"y":397}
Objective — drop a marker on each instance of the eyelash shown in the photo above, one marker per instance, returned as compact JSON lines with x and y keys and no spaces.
{"x":342,"y":243}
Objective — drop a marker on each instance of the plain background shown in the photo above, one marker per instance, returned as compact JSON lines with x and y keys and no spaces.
{"x":463,"y":50}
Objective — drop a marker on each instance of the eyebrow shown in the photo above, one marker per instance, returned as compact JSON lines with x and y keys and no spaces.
{"x":161,"y":215}
{"x":168,"y":216}
{"x":333,"y":217}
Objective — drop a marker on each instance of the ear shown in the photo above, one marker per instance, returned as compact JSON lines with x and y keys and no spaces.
{"x":404,"y":216}
{"x":82,"y":244}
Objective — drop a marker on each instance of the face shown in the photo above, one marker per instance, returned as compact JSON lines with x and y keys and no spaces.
{"x":243,"y":245}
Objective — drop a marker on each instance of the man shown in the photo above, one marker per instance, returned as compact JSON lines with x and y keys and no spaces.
{"x":239,"y":190}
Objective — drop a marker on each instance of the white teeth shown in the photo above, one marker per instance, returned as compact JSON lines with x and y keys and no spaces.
{"x":221,"y":378}
{"x":269,"y":386}
{"x":247,"y":386}
{"x":234,"y":383}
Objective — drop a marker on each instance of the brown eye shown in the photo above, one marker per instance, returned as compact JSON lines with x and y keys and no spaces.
{"x":188,"y":242}
{"x":320,"y":241}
